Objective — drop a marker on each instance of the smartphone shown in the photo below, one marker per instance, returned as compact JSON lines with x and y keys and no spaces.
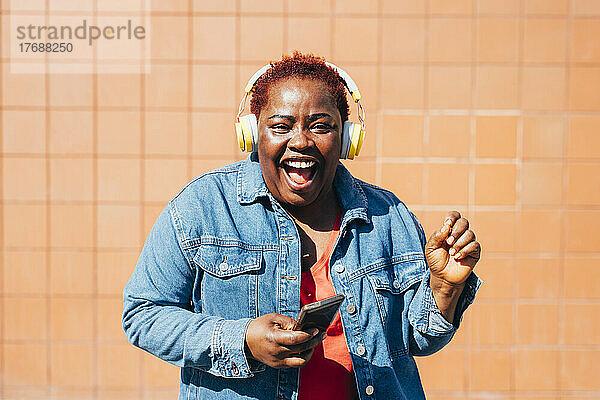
{"x":318,"y":314}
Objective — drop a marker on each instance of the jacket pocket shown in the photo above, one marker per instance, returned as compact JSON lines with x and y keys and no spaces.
{"x":397,"y":277}
{"x":398,"y":274}
{"x":394,"y":286}
{"x":224,"y":261}
{"x":229,"y":279}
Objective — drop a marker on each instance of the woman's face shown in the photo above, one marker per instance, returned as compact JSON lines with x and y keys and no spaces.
{"x":299,"y":141}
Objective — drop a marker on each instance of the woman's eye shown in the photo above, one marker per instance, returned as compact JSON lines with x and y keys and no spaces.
{"x":280,"y":128}
{"x":322,"y":128}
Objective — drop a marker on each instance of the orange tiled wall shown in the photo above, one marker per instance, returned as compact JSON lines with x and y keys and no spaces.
{"x":485,"y":106}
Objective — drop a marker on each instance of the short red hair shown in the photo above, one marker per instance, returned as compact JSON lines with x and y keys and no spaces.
{"x":303,"y":66}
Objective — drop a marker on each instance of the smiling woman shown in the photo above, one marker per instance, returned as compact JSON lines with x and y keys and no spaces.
{"x":238,"y":251}
{"x":299,"y":144}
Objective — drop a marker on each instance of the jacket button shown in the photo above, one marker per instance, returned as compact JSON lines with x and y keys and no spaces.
{"x":339,"y":268}
{"x":351,"y":308}
{"x":396,"y":284}
{"x":369,"y":390}
{"x":361,"y":350}
{"x":223,"y":266}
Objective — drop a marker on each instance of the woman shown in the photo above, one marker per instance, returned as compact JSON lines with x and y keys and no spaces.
{"x":234,"y":255}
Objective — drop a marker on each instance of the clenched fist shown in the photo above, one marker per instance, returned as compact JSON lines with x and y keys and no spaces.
{"x":451,"y":254}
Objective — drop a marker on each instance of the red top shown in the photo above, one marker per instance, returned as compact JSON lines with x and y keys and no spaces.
{"x":328,"y":374}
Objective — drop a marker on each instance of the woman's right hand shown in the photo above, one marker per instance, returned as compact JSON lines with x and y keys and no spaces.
{"x":271,"y":340}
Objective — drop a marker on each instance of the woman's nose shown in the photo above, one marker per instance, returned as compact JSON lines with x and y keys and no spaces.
{"x":299,"y":139}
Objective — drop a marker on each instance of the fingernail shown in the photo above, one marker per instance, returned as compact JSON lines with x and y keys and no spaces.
{"x":324,"y":335}
{"x":452,"y":251}
{"x":447,"y":221}
{"x":314,"y":331}
{"x":458,"y":255}
{"x":445,"y":229}
{"x":450,"y":240}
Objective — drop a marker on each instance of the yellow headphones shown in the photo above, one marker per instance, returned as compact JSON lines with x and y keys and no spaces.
{"x":353,"y":134}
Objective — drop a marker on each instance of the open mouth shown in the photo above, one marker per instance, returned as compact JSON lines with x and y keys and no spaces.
{"x":300,"y":172}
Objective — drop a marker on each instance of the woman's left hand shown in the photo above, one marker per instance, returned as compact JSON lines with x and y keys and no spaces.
{"x":452,"y":251}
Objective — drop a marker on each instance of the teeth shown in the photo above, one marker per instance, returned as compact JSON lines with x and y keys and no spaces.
{"x":299,"y":164}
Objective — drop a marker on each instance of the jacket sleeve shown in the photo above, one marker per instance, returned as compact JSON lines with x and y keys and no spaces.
{"x":158,"y":315}
{"x":430,"y":330}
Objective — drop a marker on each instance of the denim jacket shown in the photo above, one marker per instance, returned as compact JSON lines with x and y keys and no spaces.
{"x":224,"y":251}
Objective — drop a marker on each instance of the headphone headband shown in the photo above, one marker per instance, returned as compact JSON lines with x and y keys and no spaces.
{"x":348,"y":81}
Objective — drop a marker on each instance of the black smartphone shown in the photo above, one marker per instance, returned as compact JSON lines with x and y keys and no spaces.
{"x":318,"y":314}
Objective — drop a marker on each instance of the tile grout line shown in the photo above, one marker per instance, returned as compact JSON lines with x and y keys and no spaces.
{"x":95,"y":120}
{"x":393,"y":160}
{"x":308,"y":14}
{"x":523,"y":301}
{"x":518,"y":194}
{"x":3,"y":252}
{"x":362,"y":63}
{"x":534,"y":254}
{"x":411,"y":112}
{"x":425,"y":123}
{"x":397,"y":160}
{"x":332,"y":18}
{"x":190,"y":89}
{"x":563,"y":206}
{"x":531,"y":394}
{"x":471,"y":183}
{"x":378,"y":115}
{"x":238,"y":70}
{"x":47,"y":253}
{"x":145,"y":4}
{"x":285,"y":39}
{"x":495,"y":254}
{"x":417,"y":206}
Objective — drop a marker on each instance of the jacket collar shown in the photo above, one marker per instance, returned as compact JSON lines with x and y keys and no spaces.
{"x":250,"y":182}
{"x":251,"y":186}
{"x":350,"y":194}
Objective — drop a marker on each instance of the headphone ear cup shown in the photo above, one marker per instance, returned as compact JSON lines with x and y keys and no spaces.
{"x":354,"y":141}
{"x":240,"y":136}
{"x":253,"y":131}
{"x":247,"y":132}
{"x":360,"y":141}
{"x":345,"y":139}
